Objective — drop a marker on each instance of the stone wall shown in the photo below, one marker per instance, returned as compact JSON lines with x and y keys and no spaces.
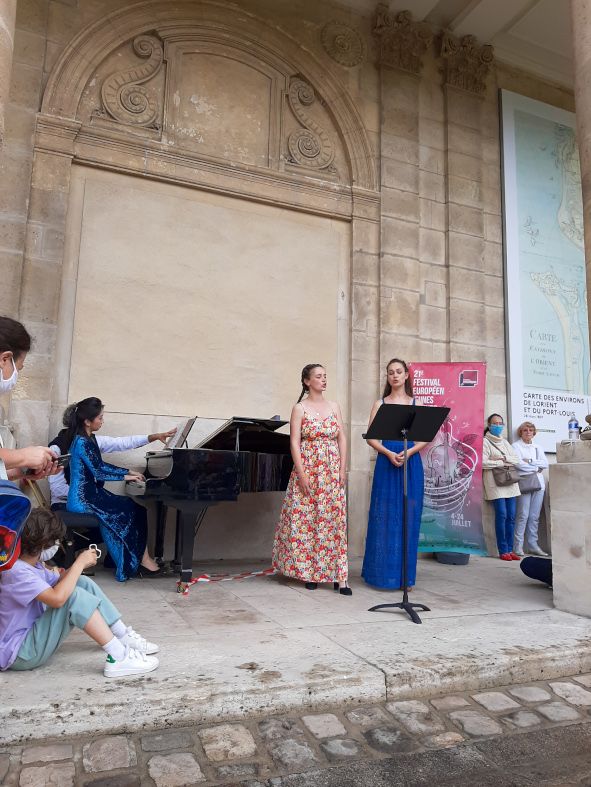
{"x":314,"y":109}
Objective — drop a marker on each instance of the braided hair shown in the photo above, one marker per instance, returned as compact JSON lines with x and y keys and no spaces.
{"x":407,"y":383}
{"x":306,"y":372}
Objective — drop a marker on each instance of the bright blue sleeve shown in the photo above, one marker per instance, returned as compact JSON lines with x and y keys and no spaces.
{"x":102,"y":471}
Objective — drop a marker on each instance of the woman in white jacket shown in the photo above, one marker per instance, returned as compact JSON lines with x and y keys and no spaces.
{"x":529,"y":504}
{"x":497,"y":452}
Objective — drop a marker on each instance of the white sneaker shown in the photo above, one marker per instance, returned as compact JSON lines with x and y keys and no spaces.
{"x":134,"y":663}
{"x":519,"y":551}
{"x":537,"y":551}
{"x":134,"y":640}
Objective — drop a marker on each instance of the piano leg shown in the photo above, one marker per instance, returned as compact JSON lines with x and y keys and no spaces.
{"x":187,"y":526}
{"x":161,"y":512}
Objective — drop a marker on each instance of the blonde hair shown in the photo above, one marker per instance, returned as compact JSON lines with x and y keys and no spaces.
{"x":526,"y":423}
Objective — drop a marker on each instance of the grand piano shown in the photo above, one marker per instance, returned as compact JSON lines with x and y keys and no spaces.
{"x":242,"y":455}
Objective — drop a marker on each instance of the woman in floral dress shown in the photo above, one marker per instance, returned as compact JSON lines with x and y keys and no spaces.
{"x":311,"y":537}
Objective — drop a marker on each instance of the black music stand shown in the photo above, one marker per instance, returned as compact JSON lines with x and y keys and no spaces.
{"x":406,"y":422}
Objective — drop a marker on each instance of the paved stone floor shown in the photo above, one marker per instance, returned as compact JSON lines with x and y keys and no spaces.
{"x":531,"y":734}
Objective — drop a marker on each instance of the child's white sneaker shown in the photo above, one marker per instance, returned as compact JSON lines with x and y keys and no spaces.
{"x":134,"y":640}
{"x":134,"y":663}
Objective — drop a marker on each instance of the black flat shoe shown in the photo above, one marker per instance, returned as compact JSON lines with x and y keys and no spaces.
{"x":311,"y":585}
{"x":346,"y":591}
{"x":147,"y":573}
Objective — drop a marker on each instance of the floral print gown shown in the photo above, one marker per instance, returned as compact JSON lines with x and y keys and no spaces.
{"x":311,"y":537}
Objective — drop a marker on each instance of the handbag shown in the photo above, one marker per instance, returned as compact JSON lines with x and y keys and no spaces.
{"x":15,"y":507}
{"x":504,"y":476}
{"x":529,"y":482}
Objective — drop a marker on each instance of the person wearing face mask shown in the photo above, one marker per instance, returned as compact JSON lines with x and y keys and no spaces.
{"x":38,"y":609}
{"x":40,"y":461}
{"x":498,"y":453}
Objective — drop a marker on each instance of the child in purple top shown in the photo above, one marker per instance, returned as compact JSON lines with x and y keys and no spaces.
{"x":39,"y":608}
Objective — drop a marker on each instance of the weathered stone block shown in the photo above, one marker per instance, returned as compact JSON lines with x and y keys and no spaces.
{"x":461,"y":139}
{"x":572,"y":693}
{"x":167,"y":740}
{"x":57,"y":775}
{"x":400,"y":204}
{"x":461,"y":165}
{"x":293,"y":754}
{"x":12,"y":234}
{"x":444,"y":740}
{"x":401,"y":122}
{"x":40,"y":291}
{"x":389,"y":740}
{"x":15,"y":172}
{"x":107,"y":754}
{"x":227,"y":742}
{"x":465,"y":192}
{"x":25,"y":86}
{"x":120,"y":780}
{"x":400,"y":238}
{"x":366,"y":237}
{"x":432,"y":133}
{"x":469,"y":221}
{"x":278,"y":728}
{"x":449,"y":703}
{"x":493,"y":229}
{"x":464,"y":109}
{"x":432,"y":186}
{"x":324,"y":725}
{"x":49,"y":753}
{"x":416,"y":716}
{"x":522,"y":719}
{"x":10,"y":265}
{"x":530,"y":693}
{"x":398,"y":175}
{"x":399,"y":148}
{"x":365,"y":268}
{"x":29,"y":48}
{"x":175,"y":770}
{"x":432,"y":160}
{"x":431,"y":100}
{"x":32,"y":15}
{"x":399,"y":272}
{"x":433,"y":215}
{"x":476,"y":724}
{"x":466,"y":251}
{"x":432,"y":246}
{"x":340,"y":749}
{"x":368,"y":717}
{"x":435,"y":294}
{"x":238,"y":771}
{"x":495,"y":701}
{"x":432,"y":323}
{"x":558,"y":711}
{"x":364,"y":306}
{"x":401,"y":315}
{"x":467,"y":284}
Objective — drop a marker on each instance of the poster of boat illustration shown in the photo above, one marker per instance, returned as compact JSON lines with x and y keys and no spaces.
{"x":452,"y":511}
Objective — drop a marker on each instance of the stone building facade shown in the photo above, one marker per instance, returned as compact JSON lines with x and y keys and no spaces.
{"x":200,"y":197}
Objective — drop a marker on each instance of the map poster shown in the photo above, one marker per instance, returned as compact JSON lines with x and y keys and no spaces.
{"x":452,"y":509}
{"x":546,"y":298}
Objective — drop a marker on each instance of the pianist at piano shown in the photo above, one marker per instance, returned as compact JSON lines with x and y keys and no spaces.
{"x":311,"y":537}
{"x":123,"y":522}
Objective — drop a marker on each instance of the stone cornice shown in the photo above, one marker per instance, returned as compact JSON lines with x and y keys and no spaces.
{"x":402,"y":41}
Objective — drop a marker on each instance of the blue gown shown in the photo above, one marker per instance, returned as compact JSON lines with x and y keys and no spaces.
{"x":382,"y":562}
{"x":123,"y":523}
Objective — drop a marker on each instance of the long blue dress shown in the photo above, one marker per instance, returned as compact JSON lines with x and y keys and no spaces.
{"x":382,"y":562}
{"x":123,"y":522}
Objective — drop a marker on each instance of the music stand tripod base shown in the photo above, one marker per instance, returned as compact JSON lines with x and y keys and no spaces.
{"x":406,"y":606}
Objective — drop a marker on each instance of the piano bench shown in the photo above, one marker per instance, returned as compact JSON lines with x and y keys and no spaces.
{"x":81,"y":530}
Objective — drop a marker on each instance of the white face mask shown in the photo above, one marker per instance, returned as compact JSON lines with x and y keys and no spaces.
{"x":7,"y":385}
{"x":47,"y":554}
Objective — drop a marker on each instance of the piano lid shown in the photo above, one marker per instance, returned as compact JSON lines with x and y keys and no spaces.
{"x":248,"y":434}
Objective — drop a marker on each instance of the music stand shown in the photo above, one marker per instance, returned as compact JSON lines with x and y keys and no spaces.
{"x":406,"y":422}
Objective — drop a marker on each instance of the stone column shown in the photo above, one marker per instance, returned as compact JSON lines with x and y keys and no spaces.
{"x":7,"y":19}
{"x":581,"y":26}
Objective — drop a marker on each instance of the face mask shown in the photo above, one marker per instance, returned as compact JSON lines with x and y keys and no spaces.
{"x":496,"y":429}
{"x":47,"y":554}
{"x":7,"y":385}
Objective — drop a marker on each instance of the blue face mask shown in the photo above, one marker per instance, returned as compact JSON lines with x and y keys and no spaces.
{"x":496,"y":429}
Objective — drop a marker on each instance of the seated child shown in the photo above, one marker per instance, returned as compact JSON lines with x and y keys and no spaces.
{"x":39,"y":608}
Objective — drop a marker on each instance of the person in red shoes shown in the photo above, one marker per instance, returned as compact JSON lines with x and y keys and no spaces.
{"x":498,"y":452}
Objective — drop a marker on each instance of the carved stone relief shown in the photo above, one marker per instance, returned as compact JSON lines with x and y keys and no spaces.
{"x":467,"y":62}
{"x":402,"y":41}
{"x":309,"y":146}
{"x":123,"y":97}
{"x":343,"y":44}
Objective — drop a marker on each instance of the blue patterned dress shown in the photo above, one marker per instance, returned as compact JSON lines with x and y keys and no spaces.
{"x":382,"y":563}
{"x":123,"y":523}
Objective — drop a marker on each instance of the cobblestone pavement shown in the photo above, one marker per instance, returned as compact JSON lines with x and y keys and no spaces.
{"x":517,"y":735}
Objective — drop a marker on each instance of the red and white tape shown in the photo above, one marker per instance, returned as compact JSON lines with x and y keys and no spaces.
{"x":183,"y":587}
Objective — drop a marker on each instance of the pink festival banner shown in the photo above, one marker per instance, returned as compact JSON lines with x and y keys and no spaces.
{"x":452,"y":512}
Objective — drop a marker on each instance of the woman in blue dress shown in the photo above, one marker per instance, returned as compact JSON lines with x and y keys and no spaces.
{"x":382,"y":563}
{"x":123,"y":522}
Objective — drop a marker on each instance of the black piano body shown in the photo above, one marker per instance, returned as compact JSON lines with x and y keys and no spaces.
{"x":243,"y":455}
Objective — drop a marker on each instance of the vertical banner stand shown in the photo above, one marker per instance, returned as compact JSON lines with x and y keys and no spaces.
{"x":406,"y":422}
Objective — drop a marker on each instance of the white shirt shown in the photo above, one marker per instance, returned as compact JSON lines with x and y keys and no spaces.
{"x":533,"y":459}
{"x":58,"y":486}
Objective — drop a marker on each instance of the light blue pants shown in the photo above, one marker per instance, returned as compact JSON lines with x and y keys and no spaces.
{"x":54,"y":625}
{"x":527,"y":519}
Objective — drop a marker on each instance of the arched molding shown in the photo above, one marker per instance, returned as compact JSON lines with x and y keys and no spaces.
{"x":213,"y":22}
